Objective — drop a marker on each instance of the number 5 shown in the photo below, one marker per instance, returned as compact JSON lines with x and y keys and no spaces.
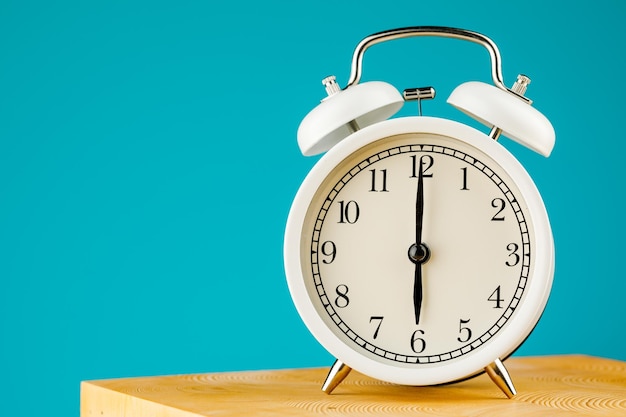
{"x":467,"y":330}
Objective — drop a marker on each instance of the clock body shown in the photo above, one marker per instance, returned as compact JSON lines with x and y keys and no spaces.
{"x":353,"y":223}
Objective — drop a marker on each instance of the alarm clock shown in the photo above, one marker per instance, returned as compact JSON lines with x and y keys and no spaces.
{"x":418,"y":250}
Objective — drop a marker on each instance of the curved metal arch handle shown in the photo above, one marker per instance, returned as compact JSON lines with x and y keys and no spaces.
{"x":439,"y":31}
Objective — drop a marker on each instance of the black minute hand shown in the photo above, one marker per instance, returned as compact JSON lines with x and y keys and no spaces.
{"x":419,"y":207}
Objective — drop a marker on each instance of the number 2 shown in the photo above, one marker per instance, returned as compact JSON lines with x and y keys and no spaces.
{"x":499,"y":204}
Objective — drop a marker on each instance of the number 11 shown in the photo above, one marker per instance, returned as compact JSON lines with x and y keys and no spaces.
{"x":384,"y":181}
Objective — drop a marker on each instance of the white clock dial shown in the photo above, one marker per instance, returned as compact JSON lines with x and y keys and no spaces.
{"x":361,"y":277}
{"x":365,"y":284}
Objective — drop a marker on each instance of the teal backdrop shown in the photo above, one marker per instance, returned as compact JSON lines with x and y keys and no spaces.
{"x":148,"y":161}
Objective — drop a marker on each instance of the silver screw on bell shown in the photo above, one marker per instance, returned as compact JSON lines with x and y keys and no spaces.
{"x":520,"y":85}
{"x":331,"y":85}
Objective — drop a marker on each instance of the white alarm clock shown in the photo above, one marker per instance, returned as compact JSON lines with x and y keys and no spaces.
{"x":418,"y":250}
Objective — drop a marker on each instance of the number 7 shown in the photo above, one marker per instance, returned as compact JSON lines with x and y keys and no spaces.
{"x":380,"y":321}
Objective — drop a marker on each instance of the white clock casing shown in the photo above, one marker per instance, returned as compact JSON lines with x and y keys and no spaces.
{"x":499,"y":341}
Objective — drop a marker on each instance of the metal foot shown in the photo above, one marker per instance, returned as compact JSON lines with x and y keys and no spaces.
{"x":500,"y":376}
{"x":338,"y":372}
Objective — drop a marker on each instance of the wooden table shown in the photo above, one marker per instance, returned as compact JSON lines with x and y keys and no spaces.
{"x":546,"y":386}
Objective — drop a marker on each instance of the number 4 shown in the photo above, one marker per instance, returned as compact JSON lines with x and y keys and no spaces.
{"x":496,"y":297}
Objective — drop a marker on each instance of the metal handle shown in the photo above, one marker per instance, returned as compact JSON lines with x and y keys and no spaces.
{"x":440,"y":31}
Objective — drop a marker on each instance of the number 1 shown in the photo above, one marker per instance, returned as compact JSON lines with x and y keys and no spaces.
{"x":464,"y":187}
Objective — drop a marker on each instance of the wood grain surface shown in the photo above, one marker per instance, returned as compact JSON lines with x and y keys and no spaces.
{"x":546,"y":386}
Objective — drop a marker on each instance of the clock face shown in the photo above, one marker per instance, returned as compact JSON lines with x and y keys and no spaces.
{"x":417,"y":250}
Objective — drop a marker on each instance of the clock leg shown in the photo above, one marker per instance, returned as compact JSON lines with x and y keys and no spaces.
{"x":500,"y":376}
{"x":337,"y":373}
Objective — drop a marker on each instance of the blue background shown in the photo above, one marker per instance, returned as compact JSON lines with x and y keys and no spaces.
{"x":148,"y":161}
